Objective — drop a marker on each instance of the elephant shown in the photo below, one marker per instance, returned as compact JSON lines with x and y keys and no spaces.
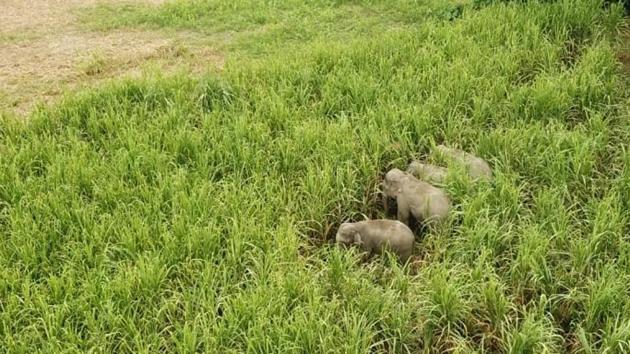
{"x":477,"y":167}
{"x":426,"y":203}
{"x":427,"y":172}
{"x":374,"y":236}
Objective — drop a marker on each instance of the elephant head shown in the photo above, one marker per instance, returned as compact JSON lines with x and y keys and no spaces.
{"x":348,"y":235}
{"x":391,"y":183}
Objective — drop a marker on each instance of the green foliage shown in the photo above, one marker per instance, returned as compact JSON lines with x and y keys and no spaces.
{"x":181,"y":214}
{"x":622,"y":3}
{"x":259,"y":27}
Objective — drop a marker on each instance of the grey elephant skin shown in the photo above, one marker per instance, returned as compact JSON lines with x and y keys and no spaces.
{"x":477,"y":167}
{"x":375,"y":236}
{"x":426,"y":203}
{"x":427,"y":172}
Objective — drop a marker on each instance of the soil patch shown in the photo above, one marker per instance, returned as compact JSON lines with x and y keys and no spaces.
{"x":43,"y":51}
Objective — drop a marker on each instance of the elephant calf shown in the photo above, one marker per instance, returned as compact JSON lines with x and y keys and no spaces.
{"x":428,"y":173}
{"x":416,"y":198}
{"x":374,"y":236}
{"x":477,"y":167}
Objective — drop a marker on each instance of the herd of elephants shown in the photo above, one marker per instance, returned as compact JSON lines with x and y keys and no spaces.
{"x":417,"y":196}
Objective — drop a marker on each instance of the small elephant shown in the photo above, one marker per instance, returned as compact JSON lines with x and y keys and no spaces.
{"x":416,"y":198}
{"x":374,"y":236}
{"x":428,"y":173}
{"x":477,"y":167}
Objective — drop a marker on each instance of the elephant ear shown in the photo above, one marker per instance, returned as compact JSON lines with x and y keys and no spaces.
{"x":357,"y":239}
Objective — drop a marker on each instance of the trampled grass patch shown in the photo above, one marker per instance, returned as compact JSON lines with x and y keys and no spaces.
{"x":187,"y":214}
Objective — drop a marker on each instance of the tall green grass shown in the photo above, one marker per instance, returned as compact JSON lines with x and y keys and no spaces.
{"x":262,"y":27}
{"x":185,"y":214}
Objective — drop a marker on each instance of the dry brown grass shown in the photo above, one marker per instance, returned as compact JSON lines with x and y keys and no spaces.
{"x":43,"y":52}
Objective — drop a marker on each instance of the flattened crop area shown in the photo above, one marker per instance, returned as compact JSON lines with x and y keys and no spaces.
{"x":44,"y":51}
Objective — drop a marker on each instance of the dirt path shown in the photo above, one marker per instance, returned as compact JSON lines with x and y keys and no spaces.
{"x":43,"y":51}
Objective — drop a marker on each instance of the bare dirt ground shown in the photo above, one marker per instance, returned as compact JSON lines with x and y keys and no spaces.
{"x":44,"y":51}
